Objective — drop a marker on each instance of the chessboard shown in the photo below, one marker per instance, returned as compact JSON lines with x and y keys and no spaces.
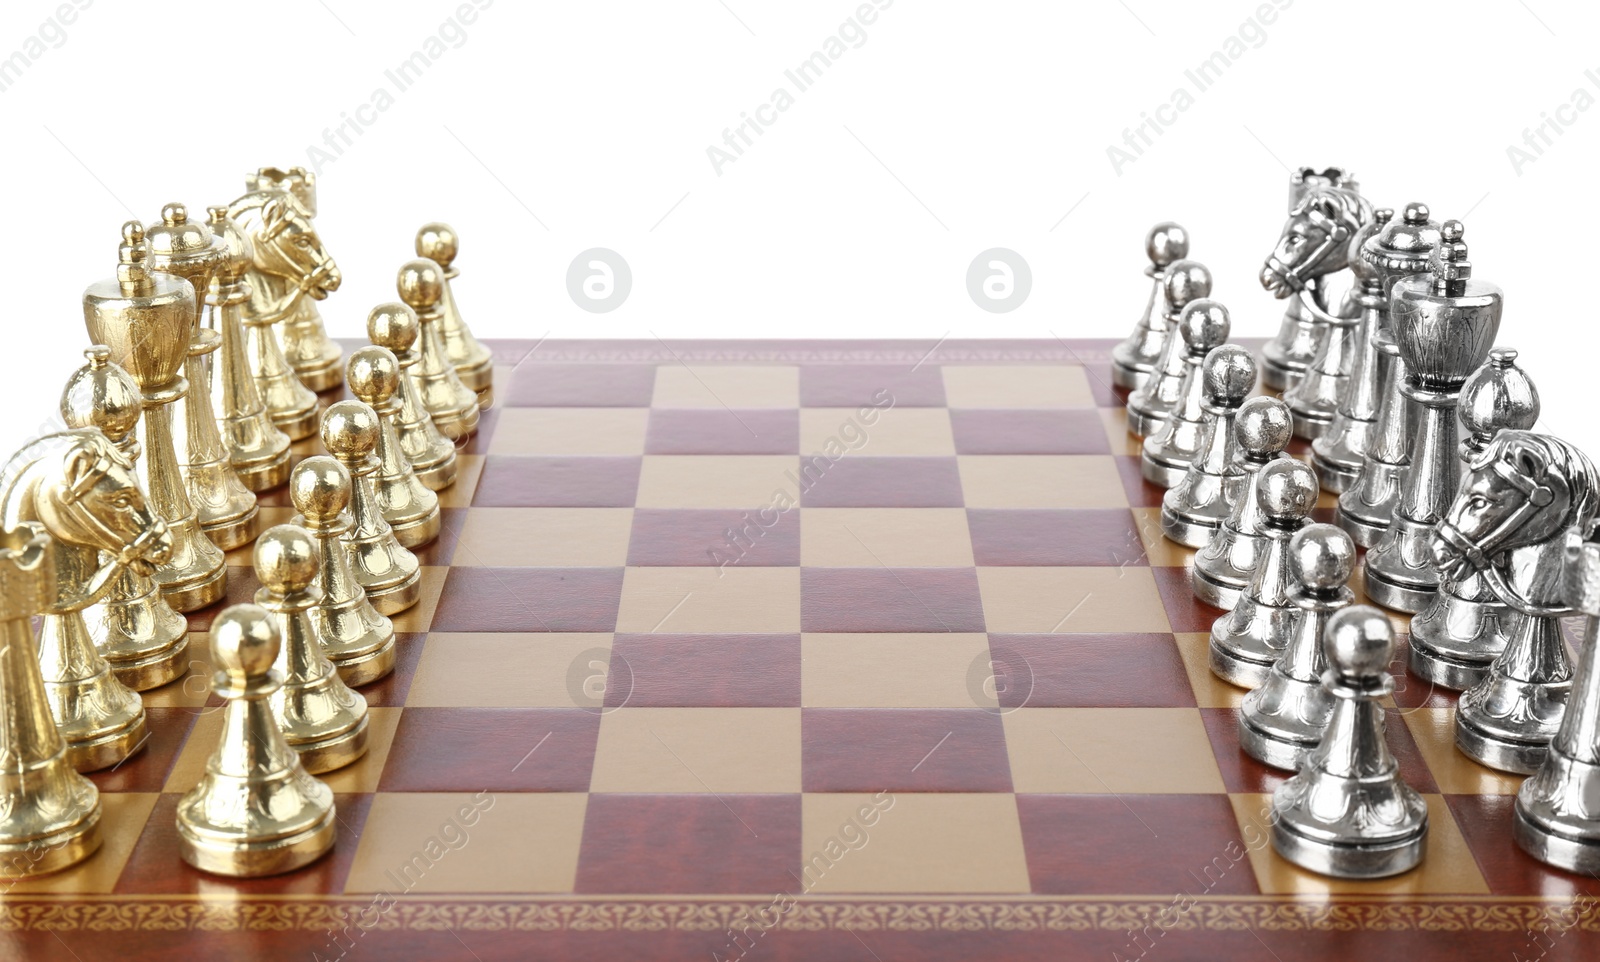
{"x":798,"y":650}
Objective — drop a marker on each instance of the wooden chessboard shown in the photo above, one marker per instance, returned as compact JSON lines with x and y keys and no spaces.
{"x":617,"y":730}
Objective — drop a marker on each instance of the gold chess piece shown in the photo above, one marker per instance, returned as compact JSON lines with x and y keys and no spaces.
{"x":432,"y":455}
{"x":287,"y":262}
{"x":473,"y":362}
{"x":258,"y":450}
{"x":321,"y":717}
{"x":143,"y":640}
{"x":452,"y":405}
{"x":49,"y":814}
{"x":410,"y":508}
{"x":385,"y":569}
{"x":355,"y":637}
{"x":315,"y":358}
{"x":144,"y":317}
{"x":256,"y":810}
{"x":83,"y":490}
{"x":225,"y":508}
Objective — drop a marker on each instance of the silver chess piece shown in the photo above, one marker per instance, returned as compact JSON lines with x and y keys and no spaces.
{"x":1224,"y":567}
{"x":1510,"y":520}
{"x":1288,"y":355}
{"x":1445,"y":322}
{"x":1246,"y":642}
{"x":1557,"y":817}
{"x":1195,"y":509}
{"x":1348,"y":813}
{"x":1151,"y":404}
{"x":1455,"y":641}
{"x":1341,"y":449}
{"x":1134,"y":359}
{"x":1172,"y":447}
{"x":1284,"y":719}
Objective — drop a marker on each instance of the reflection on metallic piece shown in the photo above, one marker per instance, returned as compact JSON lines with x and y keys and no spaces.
{"x":1224,"y":567}
{"x":256,"y":810}
{"x":1195,"y":509}
{"x":356,"y":638}
{"x":145,"y":642}
{"x":1558,"y":809}
{"x":86,"y":495}
{"x":1510,"y":520}
{"x":1152,"y":403}
{"x":410,"y":508}
{"x":388,"y":572}
{"x":432,"y":455}
{"x":49,"y":814}
{"x":1348,"y":813}
{"x":144,"y":318}
{"x":1445,"y":322}
{"x":287,"y":263}
{"x":1366,"y":509}
{"x":308,"y":269}
{"x":1284,"y":720}
{"x":1135,"y":358}
{"x":1246,"y":642}
{"x":473,"y":362}
{"x":1339,"y":451}
{"x":322,"y":719}
{"x":258,"y":450}
{"x":225,"y":508}
{"x":1454,"y":642}
{"x":1297,"y":263}
{"x":1168,"y":452}
{"x":452,"y":405}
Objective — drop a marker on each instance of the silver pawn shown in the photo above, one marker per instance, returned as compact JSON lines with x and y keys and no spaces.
{"x":1224,"y":567}
{"x":1134,"y":359}
{"x":1168,"y":452}
{"x":1152,"y":403}
{"x":1455,"y":641}
{"x":1246,"y":642}
{"x":1348,"y":813}
{"x":1284,"y":719}
{"x":1341,"y":449}
{"x":1194,"y":511}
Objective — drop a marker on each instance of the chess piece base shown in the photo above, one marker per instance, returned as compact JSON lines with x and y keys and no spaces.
{"x":486,"y":398}
{"x":334,"y":752}
{"x":324,"y":375}
{"x":1130,"y":375}
{"x":231,"y":533}
{"x":1455,"y":641}
{"x":109,"y":748}
{"x":154,"y":668}
{"x":298,"y":425}
{"x":1236,"y":668}
{"x":1362,"y":531}
{"x":1523,"y":758}
{"x":395,"y":598}
{"x":1191,"y":532}
{"x":456,"y":425}
{"x":366,"y":668}
{"x":418,"y":531}
{"x":1336,"y":476}
{"x":1278,"y":373}
{"x":1445,"y":671}
{"x":1378,"y":860}
{"x":266,"y":475}
{"x":1270,"y":749}
{"x":1214,"y":591}
{"x":1145,"y":424}
{"x":1397,"y":595}
{"x":53,"y":852}
{"x":1579,"y":856}
{"x":439,"y":476}
{"x":1163,"y":473}
{"x":246,"y":859}
{"x":193,"y":595}
{"x":1311,"y":425}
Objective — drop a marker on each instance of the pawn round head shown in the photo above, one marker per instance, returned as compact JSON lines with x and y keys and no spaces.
{"x":1264,"y":427}
{"x":437,"y":242}
{"x":102,"y":395}
{"x":245,"y":642}
{"x":1287,"y":492}
{"x":350,"y":430}
{"x":1167,"y":242}
{"x":1359,"y":644}
{"x":392,"y":325}
{"x":373,"y":375}
{"x":1230,"y":375}
{"x":420,"y":283}
{"x":1186,"y":281}
{"x":286,"y":559}
{"x":1322,"y":557}
{"x":320,"y":488}
{"x":1204,"y":326}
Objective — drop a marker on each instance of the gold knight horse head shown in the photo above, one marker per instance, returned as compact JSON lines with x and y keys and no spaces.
{"x":289,"y":261}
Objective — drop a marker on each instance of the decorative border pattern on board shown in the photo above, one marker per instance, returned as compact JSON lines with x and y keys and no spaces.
{"x":1032,"y":915}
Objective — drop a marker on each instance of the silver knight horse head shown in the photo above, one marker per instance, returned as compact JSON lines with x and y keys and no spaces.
{"x":1316,"y":239}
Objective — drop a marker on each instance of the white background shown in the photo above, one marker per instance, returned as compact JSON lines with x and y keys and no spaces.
{"x":953,"y":128}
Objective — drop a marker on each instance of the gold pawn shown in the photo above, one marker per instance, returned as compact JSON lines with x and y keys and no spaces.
{"x":356,"y":638}
{"x":473,"y":362}
{"x":452,"y":405}
{"x":258,"y":450}
{"x":386,"y":570}
{"x":410,"y":508}
{"x":321,"y":717}
{"x":314,"y":357}
{"x":432,"y":455}
{"x":49,"y":814}
{"x":256,"y":811}
{"x":143,"y":640}
{"x":144,"y":318}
